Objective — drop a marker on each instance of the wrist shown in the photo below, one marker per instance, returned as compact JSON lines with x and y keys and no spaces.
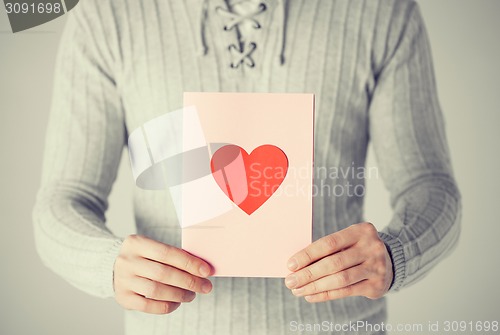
{"x":396,"y":254}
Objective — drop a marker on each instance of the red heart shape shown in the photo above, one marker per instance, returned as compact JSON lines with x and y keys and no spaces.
{"x":249,"y":180}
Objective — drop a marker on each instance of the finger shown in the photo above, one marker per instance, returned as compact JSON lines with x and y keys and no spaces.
{"x":321,"y":248}
{"x":158,"y":291}
{"x":333,"y":282}
{"x":325,"y":267}
{"x":359,"y":289}
{"x":169,"y":275}
{"x":136,"y":302}
{"x":173,"y":256}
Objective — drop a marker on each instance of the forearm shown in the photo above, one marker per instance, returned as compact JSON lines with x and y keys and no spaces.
{"x":73,"y":241}
{"x":424,"y":228}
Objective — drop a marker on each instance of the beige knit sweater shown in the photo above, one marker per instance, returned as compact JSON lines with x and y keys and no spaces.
{"x":122,"y":63}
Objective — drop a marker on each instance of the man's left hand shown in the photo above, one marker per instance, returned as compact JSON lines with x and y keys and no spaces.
{"x":351,"y":262}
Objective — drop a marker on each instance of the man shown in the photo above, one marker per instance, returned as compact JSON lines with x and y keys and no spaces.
{"x":369,"y":64}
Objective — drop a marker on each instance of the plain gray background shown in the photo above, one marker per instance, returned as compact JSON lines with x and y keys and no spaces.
{"x":466,"y":48}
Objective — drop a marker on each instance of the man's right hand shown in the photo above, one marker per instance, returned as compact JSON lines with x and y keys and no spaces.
{"x":156,"y":278}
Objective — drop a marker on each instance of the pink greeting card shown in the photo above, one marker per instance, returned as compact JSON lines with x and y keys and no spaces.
{"x":247,"y":207}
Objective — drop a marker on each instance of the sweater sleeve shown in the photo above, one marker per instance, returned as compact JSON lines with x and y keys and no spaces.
{"x":85,"y":139}
{"x":408,"y":136}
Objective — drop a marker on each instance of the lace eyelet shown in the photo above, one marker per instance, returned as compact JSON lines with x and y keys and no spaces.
{"x":244,"y":50}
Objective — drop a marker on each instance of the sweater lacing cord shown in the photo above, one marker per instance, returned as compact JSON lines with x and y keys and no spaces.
{"x":235,"y":19}
{"x":241,"y":51}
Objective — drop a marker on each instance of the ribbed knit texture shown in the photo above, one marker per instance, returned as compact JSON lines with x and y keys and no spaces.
{"x":122,"y":63}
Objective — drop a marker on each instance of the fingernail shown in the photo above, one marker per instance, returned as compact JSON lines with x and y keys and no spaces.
{"x":299,"y":290}
{"x":291,"y":281}
{"x":309,"y":298}
{"x":189,"y":296}
{"x":292,"y":264}
{"x":204,"y":270}
{"x":206,"y":288}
